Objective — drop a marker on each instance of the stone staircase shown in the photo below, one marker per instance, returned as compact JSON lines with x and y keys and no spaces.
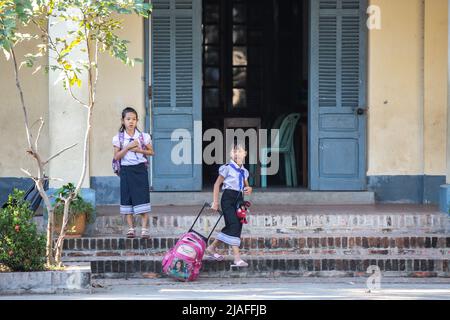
{"x":395,"y":255}
{"x":406,"y":241}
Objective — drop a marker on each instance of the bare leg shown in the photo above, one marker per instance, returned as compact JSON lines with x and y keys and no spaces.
{"x":212,"y":247}
{"x":130,"y":220}
{"x":144,"y":220}
{"x":145,"y":234}
{"x":211,"y":251}
{"x":236,"y":253}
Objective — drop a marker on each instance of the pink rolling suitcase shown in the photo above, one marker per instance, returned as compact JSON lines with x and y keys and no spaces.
{"x":184,"y":261}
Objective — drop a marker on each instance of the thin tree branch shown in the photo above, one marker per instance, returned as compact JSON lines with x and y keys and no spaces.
{"x":53,"y":179}
{"x":39,"y":133}
{"x":28,"y":174}
{"x":90,"y":109}
{"x":22,"y":100}
{"x":59,"y":153}
{"x":38,"y":182}
{"x":34,"y":123}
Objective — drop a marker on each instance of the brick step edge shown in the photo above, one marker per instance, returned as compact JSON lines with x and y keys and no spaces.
{"x":388,"y":253}
{"x":248,"y":243}
{"x":433,"y":222}
{"x":437,"y":266}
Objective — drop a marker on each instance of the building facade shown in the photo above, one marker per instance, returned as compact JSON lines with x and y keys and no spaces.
{"x":369,"y":78}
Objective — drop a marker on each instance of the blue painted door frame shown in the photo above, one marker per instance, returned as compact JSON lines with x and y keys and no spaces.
{"x":337,"y":97}
{"x":176,"y":91}
{"x":337,"y":77}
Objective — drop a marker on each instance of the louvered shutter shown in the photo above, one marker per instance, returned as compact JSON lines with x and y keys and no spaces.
{"x":176,"y":83}
{"x":338,"y":95}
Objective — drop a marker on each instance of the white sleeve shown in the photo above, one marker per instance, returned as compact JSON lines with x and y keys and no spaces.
{"x":223,"y":170}
{"x":115,"y":141}
{"x":147,"y":139}
{"x":246,"y":174}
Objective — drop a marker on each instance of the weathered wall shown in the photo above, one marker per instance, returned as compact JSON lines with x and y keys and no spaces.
{"x":395,"y":93}
{"x":407,"y":89}
{"x":435,"y":115}
{"x":12,"y":128}
{"x":408,"y":100}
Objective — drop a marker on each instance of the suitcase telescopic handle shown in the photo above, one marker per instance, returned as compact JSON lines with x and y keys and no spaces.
{"x":217,"y":222}
{"x":206,"y":204}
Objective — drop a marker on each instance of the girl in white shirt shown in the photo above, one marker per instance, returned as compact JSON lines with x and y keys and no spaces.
{"x":234,"y":178}
{"x":132,"y":147}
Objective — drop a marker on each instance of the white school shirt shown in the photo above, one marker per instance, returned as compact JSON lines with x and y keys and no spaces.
{"x":231,"y":176}
{"x":131,"y":158}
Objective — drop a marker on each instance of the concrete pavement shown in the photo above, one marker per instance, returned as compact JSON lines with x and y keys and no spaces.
{"x":258,"y":289}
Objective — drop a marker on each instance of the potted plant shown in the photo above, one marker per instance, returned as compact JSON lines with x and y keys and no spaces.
{"x":80,"y":212}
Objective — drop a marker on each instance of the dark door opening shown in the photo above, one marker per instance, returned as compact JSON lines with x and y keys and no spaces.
{"x":255,"y":65}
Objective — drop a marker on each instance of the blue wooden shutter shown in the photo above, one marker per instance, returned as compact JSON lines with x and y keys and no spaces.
{"x":338,"y":95}
{"x":176,"y":82}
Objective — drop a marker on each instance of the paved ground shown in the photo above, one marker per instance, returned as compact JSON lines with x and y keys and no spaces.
{"x":252,"y":289}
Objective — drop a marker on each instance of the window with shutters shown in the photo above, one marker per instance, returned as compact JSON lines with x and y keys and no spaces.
{"x":176,"y":80}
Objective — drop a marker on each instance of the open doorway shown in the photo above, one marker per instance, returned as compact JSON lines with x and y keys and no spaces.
{"x":255,"y":66}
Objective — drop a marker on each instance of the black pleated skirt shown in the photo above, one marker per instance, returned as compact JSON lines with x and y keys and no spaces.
{"x":231,"y":233}
{"x":134,"y":189}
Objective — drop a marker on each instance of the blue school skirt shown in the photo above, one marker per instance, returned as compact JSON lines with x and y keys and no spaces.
{"x":134,"y":189}
{"x":231,"y":234}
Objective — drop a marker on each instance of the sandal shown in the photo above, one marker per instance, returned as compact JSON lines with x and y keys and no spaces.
{"x":131,"y":233}
{"x":145,"y":234}
{"x":213,"y":255}
{"x":240,"y":263}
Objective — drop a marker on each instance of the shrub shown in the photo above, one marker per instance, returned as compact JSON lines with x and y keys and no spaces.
{"x":22,"y":247}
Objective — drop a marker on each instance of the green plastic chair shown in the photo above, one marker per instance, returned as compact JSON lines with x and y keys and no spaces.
{"x":277,"y":123}
{"x":252,"y":167}
{"x":286,"y":147}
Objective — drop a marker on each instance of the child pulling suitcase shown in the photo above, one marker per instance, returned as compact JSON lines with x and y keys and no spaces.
{"x":184,"y":260}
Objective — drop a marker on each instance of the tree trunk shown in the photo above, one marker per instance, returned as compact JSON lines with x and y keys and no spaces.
{"x":41,"y":176}
{"x":62,"y":234}
{"x":92,"y":82}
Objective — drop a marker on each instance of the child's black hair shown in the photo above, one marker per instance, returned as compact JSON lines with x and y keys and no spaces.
{"x":124,"y":113}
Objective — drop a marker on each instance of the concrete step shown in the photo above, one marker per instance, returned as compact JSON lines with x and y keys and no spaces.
{"x":270,"y":196}
{"x":307,"y":254}
{"x":274,"y":255}
{"x":275,"y":266}
{"x":271,"y":242}
{"x":86,"y":249}
{"x":286,"y":219}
